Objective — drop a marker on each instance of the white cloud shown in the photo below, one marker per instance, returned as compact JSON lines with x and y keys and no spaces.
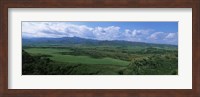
{"x":156,"y":35}
{"x":106,"y":33}
{"x":53,"y":29}
{"x":130,"y":33}
{"x":163,"y":37}
{"x":63,"y":29}
{"x":171,"y":36}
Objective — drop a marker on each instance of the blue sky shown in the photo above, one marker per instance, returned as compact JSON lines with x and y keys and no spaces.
{"x":151,"y":32}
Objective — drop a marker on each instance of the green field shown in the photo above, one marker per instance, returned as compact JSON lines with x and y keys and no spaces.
{"x":99,"y":60}
{"x":74,"y":59}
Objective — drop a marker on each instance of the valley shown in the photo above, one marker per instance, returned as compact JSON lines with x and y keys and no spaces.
{"x":79,"y":56}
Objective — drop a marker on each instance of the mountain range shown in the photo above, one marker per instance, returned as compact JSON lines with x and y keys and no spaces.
{"x":67,"y":41}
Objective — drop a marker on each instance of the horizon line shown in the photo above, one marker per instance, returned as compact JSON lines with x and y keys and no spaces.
{"x":102,"y":40}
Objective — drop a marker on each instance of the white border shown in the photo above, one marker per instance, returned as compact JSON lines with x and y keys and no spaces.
{"x":181,"y":81}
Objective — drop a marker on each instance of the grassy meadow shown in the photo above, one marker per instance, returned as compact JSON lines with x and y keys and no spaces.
{"x":99,"y":60}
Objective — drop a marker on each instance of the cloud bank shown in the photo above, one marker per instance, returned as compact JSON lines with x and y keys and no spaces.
{"x":62,"y":29}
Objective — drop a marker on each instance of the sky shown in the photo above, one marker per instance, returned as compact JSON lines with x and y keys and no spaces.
{"x":150,"y":32}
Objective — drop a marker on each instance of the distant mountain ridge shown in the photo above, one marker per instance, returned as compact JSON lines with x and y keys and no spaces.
{"x":65,"y":41}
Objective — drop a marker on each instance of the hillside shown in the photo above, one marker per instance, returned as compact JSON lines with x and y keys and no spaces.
{"x":79,"y":56}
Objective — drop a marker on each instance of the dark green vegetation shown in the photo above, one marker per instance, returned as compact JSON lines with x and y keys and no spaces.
{"x":77,"y":56}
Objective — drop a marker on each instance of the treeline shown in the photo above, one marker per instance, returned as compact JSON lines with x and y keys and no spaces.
{"x":116,"y":52}
{"x":98,"y":54}
{"x":154,"y":65}
{"x":33,"y":65}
